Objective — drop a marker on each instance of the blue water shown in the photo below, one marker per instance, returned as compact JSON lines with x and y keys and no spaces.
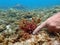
{"x":29,"y":3}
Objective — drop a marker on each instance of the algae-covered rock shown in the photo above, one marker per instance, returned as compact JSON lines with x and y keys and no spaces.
{"x":2,"y":27}
{"x":1,"y":38}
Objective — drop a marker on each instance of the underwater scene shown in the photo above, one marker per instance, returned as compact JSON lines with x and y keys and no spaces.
{"x":27,"y":22}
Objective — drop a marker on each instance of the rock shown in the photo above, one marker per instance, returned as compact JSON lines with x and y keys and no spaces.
{"x":1,"y":38}
{"x":2,"y":27}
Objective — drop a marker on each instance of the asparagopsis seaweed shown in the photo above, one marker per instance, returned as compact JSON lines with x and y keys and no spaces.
{"x":29,"y":25}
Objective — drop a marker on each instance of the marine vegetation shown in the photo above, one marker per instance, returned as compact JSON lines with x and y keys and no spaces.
{"x":16,"y":27}
{"x":29,"y":25}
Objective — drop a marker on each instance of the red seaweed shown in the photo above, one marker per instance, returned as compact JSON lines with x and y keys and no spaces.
{"x":28,"y":25}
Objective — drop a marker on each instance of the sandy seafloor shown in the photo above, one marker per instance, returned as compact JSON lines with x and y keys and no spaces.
{"x":9,"y":23}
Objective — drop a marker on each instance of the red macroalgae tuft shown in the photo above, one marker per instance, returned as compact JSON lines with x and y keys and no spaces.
{"x":29,"y":25}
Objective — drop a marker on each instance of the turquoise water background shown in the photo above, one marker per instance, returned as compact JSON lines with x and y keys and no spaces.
{"x":29,"y":3}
